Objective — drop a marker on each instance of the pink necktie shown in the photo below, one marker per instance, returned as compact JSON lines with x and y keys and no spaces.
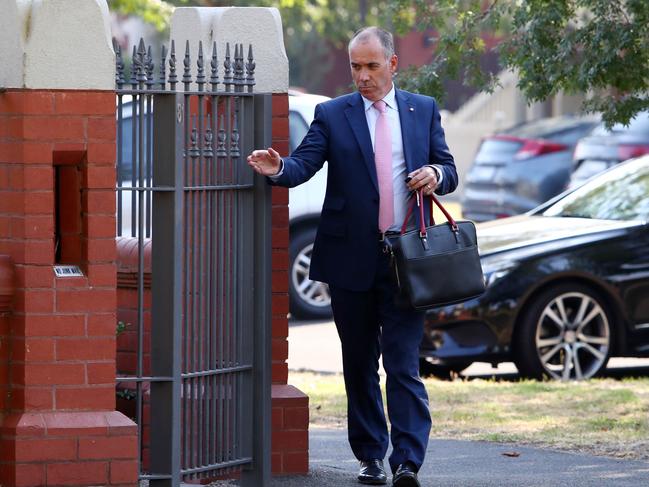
{"x":383,"y":160}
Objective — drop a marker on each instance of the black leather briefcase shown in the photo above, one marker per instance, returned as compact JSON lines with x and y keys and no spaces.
{"x":435,"y":265}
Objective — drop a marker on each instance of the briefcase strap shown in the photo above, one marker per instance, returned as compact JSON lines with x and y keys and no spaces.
{"x":418,"y":200}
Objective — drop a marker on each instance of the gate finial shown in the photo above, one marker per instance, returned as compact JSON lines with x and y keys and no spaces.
{"x":140,"y":62}
{"x":132,"y":79}
{"x":214,"y":63}
{"x":238,"y":67}
{"x":187,"y":75}
{"x":162,"y":79}
{"x":150,"y":66}
{"x":200,"y":63}
{"x":173,"y":77}
{"x":119,"y":64}
{"x":250,"y":69}
{"x":227,"y":64}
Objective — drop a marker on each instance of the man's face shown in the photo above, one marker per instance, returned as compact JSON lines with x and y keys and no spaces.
{"x":371,"y":72}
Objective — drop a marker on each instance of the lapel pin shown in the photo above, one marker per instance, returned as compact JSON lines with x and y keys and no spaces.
{"x":412,"y":109}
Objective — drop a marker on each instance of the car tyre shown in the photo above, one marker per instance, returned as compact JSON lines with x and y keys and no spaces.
{"x":441,"y":371}
{"x":307,"y":299}
{"x":565,"y":333}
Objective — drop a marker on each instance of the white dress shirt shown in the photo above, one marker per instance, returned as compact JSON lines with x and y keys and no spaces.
{"x":399,"y":169}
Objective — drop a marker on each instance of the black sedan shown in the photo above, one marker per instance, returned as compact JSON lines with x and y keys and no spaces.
{"x":568,"y":285}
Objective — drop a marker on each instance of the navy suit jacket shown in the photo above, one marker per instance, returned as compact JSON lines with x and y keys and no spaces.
{"x":345,"y":249}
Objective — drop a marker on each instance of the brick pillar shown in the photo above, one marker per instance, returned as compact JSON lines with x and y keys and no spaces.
{"x":290,"y":406}
{"x":57,"y":158}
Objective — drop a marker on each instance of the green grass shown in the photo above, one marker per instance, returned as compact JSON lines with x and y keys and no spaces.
{"x":603,"y":416}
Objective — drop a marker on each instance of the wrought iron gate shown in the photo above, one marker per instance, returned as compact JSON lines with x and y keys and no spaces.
{"x":183,"y":183}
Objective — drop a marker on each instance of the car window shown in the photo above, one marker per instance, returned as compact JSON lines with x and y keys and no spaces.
{"x":298,"y":129}
{"x":619,"y":194}
{"x":496,"y":151}
{"x":126,"y":169}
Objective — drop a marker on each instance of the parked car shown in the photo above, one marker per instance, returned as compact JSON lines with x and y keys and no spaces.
{"x":308,"y":299}
{"x":604,"y":147}
{"x":567,"y":285}
{"x":518,"y":169}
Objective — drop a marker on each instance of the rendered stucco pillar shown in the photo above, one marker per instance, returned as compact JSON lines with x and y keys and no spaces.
{"x":57,"y":206}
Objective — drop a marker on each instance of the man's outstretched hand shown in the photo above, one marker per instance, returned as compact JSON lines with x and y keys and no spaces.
{"x":265,"y":162}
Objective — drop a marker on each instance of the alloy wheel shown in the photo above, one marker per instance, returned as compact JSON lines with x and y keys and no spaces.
{"x":312,"y":292}
{"x":573,"y":336}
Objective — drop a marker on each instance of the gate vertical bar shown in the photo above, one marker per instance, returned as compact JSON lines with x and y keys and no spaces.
{"x":259,"y":475}
{"x":166,"y":342}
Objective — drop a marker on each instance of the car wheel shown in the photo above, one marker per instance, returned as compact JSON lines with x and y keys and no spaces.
{"x":308,"y":299}
{"x":441,"y":371}
{"x":565,"y":333}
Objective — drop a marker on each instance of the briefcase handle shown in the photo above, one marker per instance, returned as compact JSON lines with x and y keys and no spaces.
{"x":418,"y":200}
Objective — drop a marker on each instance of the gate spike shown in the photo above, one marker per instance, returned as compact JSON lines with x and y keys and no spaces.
{"x":214,"y":63}
{"x":239,"y":79}
{"x":119,"y":64}
{"x":150,"y":66}
{"x":173,"y":78}
{"x":162,"y":80}
{"x":200,"y":63}
{"x":250,"y":69}
{"x":141,"y":62}
{"x":132,"y":79}
{"x":187,"y":75}
{"x":227,"y":64}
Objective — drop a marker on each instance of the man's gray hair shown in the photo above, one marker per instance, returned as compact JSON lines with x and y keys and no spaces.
{"x":384,"y":37}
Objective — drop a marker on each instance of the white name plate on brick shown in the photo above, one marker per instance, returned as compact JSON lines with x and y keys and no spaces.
{"x":67,"y":271}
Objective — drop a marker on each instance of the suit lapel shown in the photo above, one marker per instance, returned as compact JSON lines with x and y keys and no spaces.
{"x":407,"y":119}
{"x":355,"y":114}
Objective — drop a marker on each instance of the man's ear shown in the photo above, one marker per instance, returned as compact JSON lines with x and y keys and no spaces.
{"x":394,"y":61}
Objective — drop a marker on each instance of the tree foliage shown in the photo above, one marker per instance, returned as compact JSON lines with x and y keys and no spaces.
{"x":597,"y":47}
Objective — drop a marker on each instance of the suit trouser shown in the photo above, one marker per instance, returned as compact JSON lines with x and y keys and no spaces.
{"x":370,"y":325}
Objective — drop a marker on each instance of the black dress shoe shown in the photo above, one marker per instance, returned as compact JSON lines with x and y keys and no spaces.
{"x":372,"y":473}
{"x":405,"y":476}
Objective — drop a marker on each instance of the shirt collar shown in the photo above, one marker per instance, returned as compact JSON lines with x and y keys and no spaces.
{"x":389,"y":99}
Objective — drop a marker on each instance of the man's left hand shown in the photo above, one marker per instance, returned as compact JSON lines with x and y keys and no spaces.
{"x":423,"y":178}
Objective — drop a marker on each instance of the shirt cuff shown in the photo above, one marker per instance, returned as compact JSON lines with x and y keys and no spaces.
{"x":439,"y":172}
{"x":281,"y":171}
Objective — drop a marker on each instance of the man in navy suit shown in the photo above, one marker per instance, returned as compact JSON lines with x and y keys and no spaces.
{"x":349,"y":252}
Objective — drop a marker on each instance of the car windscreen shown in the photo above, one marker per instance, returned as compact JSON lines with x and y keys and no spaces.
{"x":619,"y":194}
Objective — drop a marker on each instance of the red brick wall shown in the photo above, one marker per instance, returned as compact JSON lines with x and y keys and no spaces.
{"x":60,"y":426}
{"x":280,"y":247}
{"x":290,"y":407}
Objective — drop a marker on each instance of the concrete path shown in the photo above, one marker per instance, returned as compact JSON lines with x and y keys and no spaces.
{"x":473,"y":464}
